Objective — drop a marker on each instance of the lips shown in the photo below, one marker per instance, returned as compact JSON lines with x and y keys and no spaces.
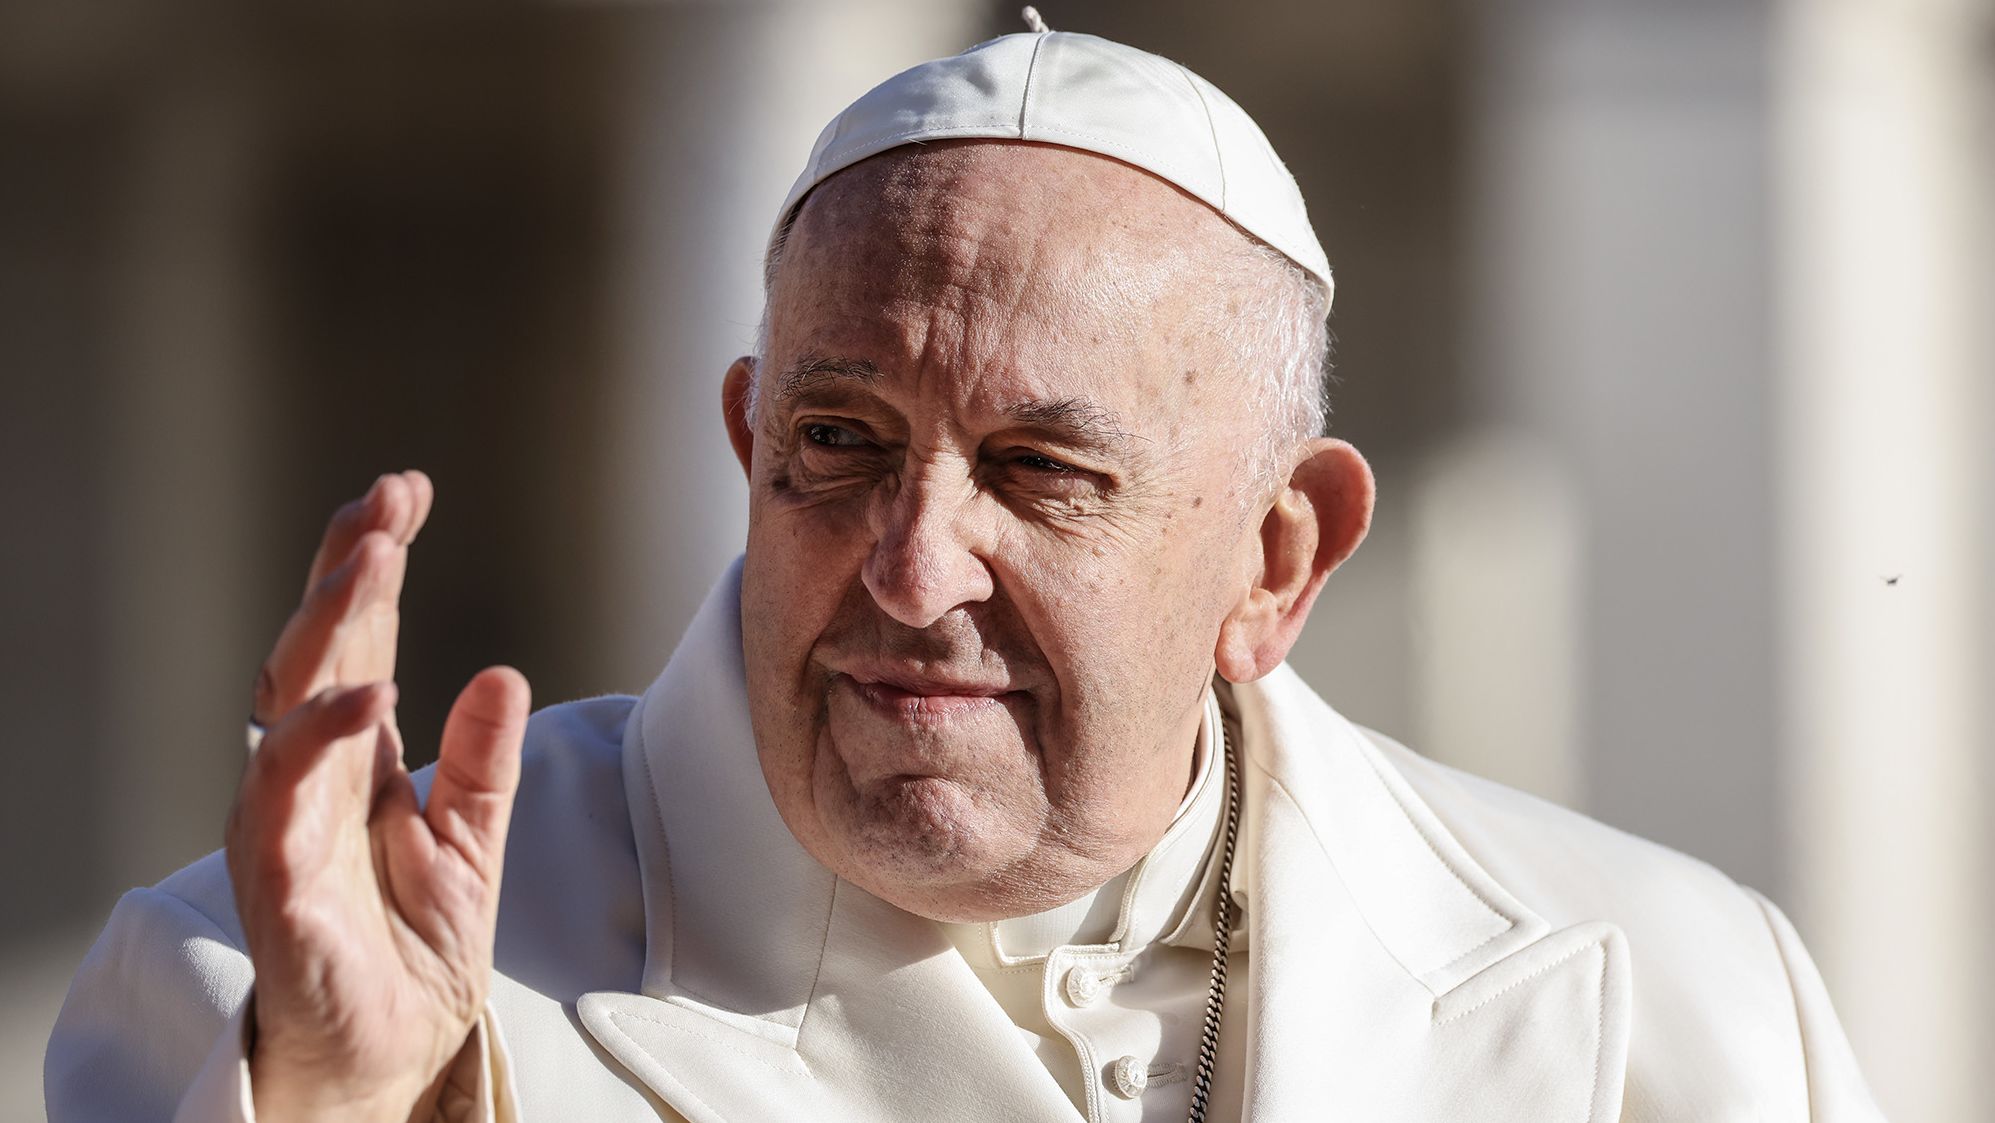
{"x":910,"y":696}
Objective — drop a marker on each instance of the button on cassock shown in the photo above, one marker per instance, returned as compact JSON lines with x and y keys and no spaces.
{"x":1084,"y":987}
{"x":1128,"y":1077}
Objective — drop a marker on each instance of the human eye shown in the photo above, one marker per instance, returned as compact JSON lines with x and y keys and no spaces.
{"x":824,"y":458}
{"x":1039,"y":462}
{"x":827,"y":435}
{"x":1030,"y":474}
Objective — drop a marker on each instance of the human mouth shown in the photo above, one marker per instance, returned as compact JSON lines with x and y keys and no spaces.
{"x":924,"y":698}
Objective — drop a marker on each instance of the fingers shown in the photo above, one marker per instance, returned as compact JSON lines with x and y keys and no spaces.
{"x":312,"y":650}
{"x":301,"y":740}
{"x":346,"y":629}
{"x":398,"y":504}
{"x":478,"y":768}
{"x":275,"y":785}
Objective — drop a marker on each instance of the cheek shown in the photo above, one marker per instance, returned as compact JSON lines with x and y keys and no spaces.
{"x":1098,"y":621}
{"x":785,"y":599}
{"x":1128,"y":628}
{"x":801,"y":564}
{"x":1103,"y":604}
{"x":788,"y":593}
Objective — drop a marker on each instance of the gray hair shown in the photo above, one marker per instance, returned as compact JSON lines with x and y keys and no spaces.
{"x":1282,"y":329}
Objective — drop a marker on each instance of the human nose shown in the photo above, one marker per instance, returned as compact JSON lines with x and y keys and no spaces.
{"x":923,"y":562}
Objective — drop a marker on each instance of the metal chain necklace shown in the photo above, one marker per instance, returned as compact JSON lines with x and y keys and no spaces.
{"x":1222,"y":940}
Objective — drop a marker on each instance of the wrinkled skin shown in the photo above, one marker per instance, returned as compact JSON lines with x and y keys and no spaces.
{"x":1003,"y":526}
{"x":986,"y":584}
{"x":368,"y":914}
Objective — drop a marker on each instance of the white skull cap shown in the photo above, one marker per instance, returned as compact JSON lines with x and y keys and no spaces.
{"x":1091,"y":94}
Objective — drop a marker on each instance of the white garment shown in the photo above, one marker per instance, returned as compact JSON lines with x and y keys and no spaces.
{"x":1425,"y":946}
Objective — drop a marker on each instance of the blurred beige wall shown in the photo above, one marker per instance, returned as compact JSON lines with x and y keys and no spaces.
{"x":1666,"y":327}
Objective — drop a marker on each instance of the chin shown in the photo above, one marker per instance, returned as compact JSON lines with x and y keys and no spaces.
{"x":924,"y":839}
{"x":915,"y":823}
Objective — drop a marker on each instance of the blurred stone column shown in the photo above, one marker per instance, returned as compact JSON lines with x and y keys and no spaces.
{"x":1497,"y":600}
{"x":1617,"y":365}
{"x":721,"y":104}
{"x":181,"y":429}
{"x":131,"y":423}
{"x":1885,"y":175}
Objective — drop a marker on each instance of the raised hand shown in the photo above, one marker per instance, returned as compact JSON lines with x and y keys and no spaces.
{"x":369,"y":916}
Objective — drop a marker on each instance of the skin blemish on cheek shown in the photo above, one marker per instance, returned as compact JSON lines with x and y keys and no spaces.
{"x":1191,"y":376}
{"x":1197,"y":501}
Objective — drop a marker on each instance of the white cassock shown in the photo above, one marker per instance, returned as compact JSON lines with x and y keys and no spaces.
{"x":1415,"y":944}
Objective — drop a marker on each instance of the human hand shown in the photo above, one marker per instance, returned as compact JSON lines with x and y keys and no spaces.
{"x":369,"y":916}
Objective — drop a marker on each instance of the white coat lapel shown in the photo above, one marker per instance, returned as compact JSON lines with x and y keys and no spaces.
{"x":1390,"y":977}
{"x":771,"y":989}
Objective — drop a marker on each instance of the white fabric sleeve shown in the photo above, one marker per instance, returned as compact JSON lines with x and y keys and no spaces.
{"x":155,"y":1027}
{"x":157,"y":989}
{"x":1836,"y":1089}
{"x":220,"y":1091}
{"x":476,"y":1089}
{"x":479,"y":1086}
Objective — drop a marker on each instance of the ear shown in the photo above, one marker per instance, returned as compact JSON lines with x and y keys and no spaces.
{"x":734,"y":390}
{"x":1316,"y":522}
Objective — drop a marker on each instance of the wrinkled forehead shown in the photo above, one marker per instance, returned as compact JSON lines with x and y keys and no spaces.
{"x":1012,"y":212}
{"x":1037,"y":242}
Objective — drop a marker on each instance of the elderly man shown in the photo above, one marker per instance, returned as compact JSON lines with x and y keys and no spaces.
{"x":978,"y":788}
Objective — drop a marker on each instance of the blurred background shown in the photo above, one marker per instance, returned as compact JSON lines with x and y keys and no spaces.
{"x":1670,"y":329}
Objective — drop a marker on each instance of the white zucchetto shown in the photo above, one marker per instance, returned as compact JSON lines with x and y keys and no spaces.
{"x":1087,"y":93}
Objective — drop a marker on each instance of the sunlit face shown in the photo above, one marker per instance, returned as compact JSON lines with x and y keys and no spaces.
{"x":1000,"y":505}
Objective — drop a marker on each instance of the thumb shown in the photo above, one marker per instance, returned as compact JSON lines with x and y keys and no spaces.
{"x":478,"y":765}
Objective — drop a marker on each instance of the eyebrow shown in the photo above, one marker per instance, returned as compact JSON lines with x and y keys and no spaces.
{"x":1075,"y":420}
{"x":813,"y":372}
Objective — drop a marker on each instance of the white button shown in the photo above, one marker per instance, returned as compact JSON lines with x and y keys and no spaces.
{"x":1128,"y":1077}
{"x":1084,"y":987}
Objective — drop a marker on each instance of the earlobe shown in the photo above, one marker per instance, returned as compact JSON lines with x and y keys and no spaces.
{"x":1242,"y":636}
{"x":736,"y":389}
{"x":1313,"y":525}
